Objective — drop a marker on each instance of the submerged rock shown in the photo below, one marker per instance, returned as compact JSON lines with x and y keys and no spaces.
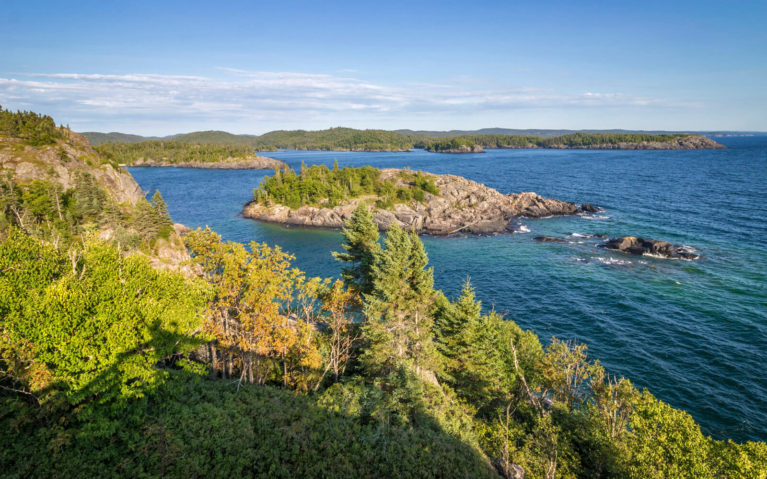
{"x":641,"y":246}
{"x":462,"y":206}
{"x":549,"y":239}
{"x":589,"y":208}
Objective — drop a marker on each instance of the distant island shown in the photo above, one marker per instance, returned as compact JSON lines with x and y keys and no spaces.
{"x":177,"y":154}
{"x":413,"y":200}
{"x":349,"y":139}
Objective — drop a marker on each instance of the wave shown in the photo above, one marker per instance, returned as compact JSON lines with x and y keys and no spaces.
{"x":520,"y":228}
{"x":613,"y":261}
{"x":596,"y":217}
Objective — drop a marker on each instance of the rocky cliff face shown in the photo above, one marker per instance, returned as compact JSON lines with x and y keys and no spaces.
{"x":251,"y":162}
{"x":61,"y":162}
{"x":461,"y":206}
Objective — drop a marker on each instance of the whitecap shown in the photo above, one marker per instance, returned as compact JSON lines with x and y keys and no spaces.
{"x":596,"y":217}
{"x":578,"y":235}
{"x":613,"y":261}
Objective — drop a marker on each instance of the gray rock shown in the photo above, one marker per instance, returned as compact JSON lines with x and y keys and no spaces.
{"x":641,"y":246}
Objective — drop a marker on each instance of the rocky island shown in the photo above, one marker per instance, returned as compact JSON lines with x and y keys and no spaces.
{"x":249,"y":162}
{"x":424,"y":202}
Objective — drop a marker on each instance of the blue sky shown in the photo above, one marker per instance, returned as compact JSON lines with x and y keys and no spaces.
{"x":164,"y":67}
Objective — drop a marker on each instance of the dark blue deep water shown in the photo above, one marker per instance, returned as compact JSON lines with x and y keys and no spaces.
{"x":694,"y":333}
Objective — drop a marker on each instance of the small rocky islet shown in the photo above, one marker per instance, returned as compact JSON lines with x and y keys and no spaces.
{"x":635,"y":246}
{"x":462,"y":206}
{"x":640,"y":246}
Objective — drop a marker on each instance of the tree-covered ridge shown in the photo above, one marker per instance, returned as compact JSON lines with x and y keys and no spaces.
{"x":170,"y":152}
{"x":35,"y":128}
{"x":381,"y":140}
{"x":214,"y":137}
{"x":337,"y":139}
{"x":573,"y":140}
{"x":320,"y":186}
{"x":350,"y":139}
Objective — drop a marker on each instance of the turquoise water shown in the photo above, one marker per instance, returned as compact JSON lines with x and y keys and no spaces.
{"x":694,"y":333}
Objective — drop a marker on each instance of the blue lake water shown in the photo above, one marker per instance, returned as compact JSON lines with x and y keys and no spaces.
{"x":694,"y":333}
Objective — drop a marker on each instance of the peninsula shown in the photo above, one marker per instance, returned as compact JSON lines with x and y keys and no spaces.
{"x":180,"y":154}
{"x":423,"y":202}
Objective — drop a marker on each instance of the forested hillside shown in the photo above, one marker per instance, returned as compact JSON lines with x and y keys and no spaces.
{"x":170,"y":153}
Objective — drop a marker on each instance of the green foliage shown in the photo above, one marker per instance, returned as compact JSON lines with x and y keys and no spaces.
{"x":37,"y":129}
{"x":161,"y":215}
{"x":398,"y":329}
{"x":321,"y":186}
{"x":573,"y":140}
{"x":97,"y":322}
{"x":172,"y":152}
{"x":348,"y":139}
{"x":666,"y":442}
{"x":199,"y":428}
{"x":342,"y":139}
{"x":361,"y":250}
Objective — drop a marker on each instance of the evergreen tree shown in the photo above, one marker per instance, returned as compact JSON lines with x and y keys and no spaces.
{"x":161,"y":211}
{"x":470,"y":345}
{"x":361,"y":245}
{"x":398,"y":330}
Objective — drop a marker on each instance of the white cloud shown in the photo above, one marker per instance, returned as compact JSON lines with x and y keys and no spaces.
{"x":276,"y":96}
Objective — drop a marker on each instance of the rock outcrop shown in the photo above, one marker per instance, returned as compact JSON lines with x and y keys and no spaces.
{"x":61,"y":162}
{"x":250,"y":162}
{"x":462,"y":205}
{"x":641,"y":246}
{"x":549,"y":239}
{"x":462,"y":149}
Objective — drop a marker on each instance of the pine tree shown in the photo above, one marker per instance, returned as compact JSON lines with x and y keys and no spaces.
{"x":361,"y":246}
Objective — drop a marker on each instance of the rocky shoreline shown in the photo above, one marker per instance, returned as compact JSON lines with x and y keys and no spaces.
{"x":692,"y":142}
{"x":462,"y":206}
{"x":249,"y":163}
{"x":460,"y":149}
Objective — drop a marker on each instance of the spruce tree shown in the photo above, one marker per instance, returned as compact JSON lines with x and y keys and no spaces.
{"x":162,"y":217}
{"x":361,"y":249}
{"x":398,"y":330}
{"x":469,"y":342}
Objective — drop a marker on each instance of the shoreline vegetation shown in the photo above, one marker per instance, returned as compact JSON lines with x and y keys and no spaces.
{"x":229,"y":362}
{"x":440,"y":205}
{"x":155,"y":153}
{"x":348,"y":139}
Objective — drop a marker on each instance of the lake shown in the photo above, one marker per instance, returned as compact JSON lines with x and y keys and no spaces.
{"x":693,"y":332}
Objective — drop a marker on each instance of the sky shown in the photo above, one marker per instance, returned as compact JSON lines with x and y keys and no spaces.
{"x":166,"y":67}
